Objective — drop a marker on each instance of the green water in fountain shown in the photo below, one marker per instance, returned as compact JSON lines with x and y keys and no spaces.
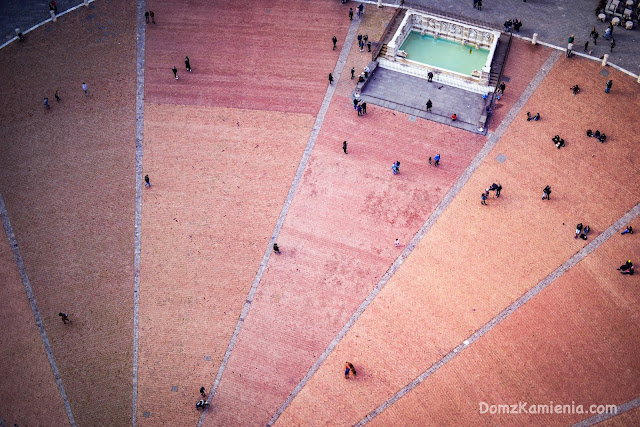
{"x":445,"y":54}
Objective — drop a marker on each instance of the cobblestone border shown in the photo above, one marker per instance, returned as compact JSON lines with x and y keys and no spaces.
{"x":45,"y":21}
{"x":13,"y":242}
{"x":625,"y":407}
{"x":140,"y":58}
{"x":543,"y":284}
{"x":446,"y":201}
{"x":337,"y":71}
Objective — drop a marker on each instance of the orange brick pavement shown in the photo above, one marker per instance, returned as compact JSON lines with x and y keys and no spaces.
{"x":572,"y":344}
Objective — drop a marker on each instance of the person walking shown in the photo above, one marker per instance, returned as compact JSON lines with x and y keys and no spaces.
{"x":330,"y":79}
{"x":344,"y":147}
{"x":429,"y":105}
{"x":276,"y":249}
{"x":569,"y":49}
{"x":498,"y":190}
{"x":595,"y":36}
{"x":65,"y":317}
{"x":147,"y":183}
{"x":175,"y":72}
{"x":187,"y":63}
{"x":475,"y":4}
{"x":609,"y":84}
{"x":546,"y":193}
{"x":397,"y":243}
{"x":364,"y":108}
{"x":360,"y":9}
{"x":350,"y":14}
{"x":334,"y":40}
{"x":483,"y":196}
{"x":57,"y":96}
{"x":429,"y":160}
{"x":146,"y":16}
{"x":84,"y":87}
{"x":479,"y":4}
{"x":430,"y":76}
{"x":503,"y":86}
{"x":353,"y":72}
{"x":202,"y":393}
{"x":586,"y":45}
{"x":46,"y":103}
{"x":359,"y":109}
{"x":152,"y":16}
{"x":361,"y":43}
{"x":613,"y":44}
{"x":346,"y":370}
{"x":436,"y":160}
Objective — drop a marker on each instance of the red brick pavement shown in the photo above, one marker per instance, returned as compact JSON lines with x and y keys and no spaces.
{"x":219,"y":179}
{"x":631,"y":418}
{"x":336,"y":242}
{"x":523,"y":63}
{"x":259,"y":55}
{"x":446,"y":290}
{"x":67,"y":176}
{"x":24,"y":367}
{"x":572,"y":344}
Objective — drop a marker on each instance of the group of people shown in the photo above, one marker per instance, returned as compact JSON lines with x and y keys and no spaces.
{"x":360,"y":107}
{"x":511,"y":25}
{"x":534,"y":118}
{"x":582,"y":232}
{"x":477,"y":4}
{"x":602,"y":137}
{"x":436,"y":160}
{"x":485,"y":195}
{"x":559,"y":142}
{"x":362,"y":41}
{"x":187,"y":63}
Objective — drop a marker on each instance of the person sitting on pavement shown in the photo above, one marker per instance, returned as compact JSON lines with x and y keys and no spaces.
{"x":629,"y":230}
{"x":627,"y":265}
{"x":589,"y":133}
{"x":603,"y":137}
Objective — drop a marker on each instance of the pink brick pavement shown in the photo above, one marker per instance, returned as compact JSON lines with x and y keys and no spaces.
{"x":244,"y":54}
{"x":336,"y":243}
{"x":573,"y":343}
{"x":24,"y":367}
{"x":424,"y":306}
{"x":67,"y":176}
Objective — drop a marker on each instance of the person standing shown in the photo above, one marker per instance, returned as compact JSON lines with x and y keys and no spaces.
{"x":350,"y":14}
{"x":498,"y":190}
{"x":84,"y":87}
{"x":361,"y":44}
{"x":360,"y":9}
{"x":175,"y":72}
{"x":369,"y":46}
{"x":146,"y":16}
{"x":276,"y":249}
{"x":429,"y":105}
{"x":46,"y":103}
{"x":546,"y":193}
{"x":364,"y":108}
{"x":147,"y":183}
{"x":475,"y":4}
{"x":57,"y":96}
{"x":65,"y":317}
{"x":430,"y":76}
{"x":613,"y":44}
{"x":397,"y":243}
{"x":334,"y":40}
{"x":330,"y":79}
{"x":202,"y":393}
{"x":569,"y":49}
{"x":353,"y":72}
{"x":436,"y":160}
{"x":344,"y":147}
{"x":152,"y":16}
{"x":609,"y":84}
{"x":483,"y":196}
{"x":359,"y":110}
{"x":503,"y":86}
{"x":187,"y":63}
{"x":479,"y":4}
{"x":595,"y":37}
{"x":346,"y":370}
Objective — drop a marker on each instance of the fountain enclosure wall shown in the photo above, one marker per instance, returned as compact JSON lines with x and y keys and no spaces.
{"x":441,"y":28}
